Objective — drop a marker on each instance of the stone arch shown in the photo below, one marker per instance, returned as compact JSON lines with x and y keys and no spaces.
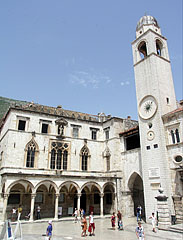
{"x":20,"y":181}
{"x":109,"y":197}
{"x":91,"y":183}
{"x":45,"y":182}
{"x":159,"y":47}
{"x":46,"y":191}
{"x":135,"y":185}
{"x":68,"y":195}
{"x":69,"y":182}
{"x":19,"y":194}
{"x":142,"y":48}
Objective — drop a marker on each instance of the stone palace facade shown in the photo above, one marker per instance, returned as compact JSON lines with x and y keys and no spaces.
{"x":62,"y":159}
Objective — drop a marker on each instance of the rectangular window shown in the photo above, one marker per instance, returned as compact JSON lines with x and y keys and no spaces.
{"x":155,"y":145}
{"x":44,"y":128}
{"x":21,"y":125}
{"x":94,"y":135}
{"x":106,"y":134}
{"x":75,"y":132}
{"x":148,"y":147}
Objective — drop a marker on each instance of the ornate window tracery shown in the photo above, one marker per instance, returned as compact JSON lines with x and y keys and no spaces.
{"x":31,"y":151}
{"x":84,"y":158}
{"x":59,"y":155}
{"x":175,"y":136}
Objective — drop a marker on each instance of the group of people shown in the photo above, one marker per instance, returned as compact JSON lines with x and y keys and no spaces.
{"x":77,"y":213}
{"x":16,"y":213}
{"x":91,"y":228}
{"x":140,"y":230}
{"x":119,"y":220}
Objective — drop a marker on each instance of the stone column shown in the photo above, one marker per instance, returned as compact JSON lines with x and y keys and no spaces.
{"x":163,"y":211}
{"x":56,"y":206}
{"x":78,"y":201}
{"x":5,"y":202}
{"x":115,"y":202}
{"x":33,"y":196}
{"x":101,"y":204}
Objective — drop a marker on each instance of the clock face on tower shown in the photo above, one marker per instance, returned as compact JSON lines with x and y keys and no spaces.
{"x":147,"y":107}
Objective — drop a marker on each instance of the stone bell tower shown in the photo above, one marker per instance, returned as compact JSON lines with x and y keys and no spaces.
{"x":155,"y":97}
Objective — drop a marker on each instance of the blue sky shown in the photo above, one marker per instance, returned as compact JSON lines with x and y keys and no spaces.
{"x":77,"y":53}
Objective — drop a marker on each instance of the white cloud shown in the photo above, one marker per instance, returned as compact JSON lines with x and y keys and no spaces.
{"x":89,"y":78}
{"x":125,"y":83}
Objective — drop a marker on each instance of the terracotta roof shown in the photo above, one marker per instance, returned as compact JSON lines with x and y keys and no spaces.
{"x":180,"y":109}
{"x":130,"y":131}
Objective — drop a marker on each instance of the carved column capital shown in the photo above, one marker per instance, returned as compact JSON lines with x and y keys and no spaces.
{"x":6,"y":195}
{"x":57,"y":195}
{"x":78,"y":195}
{"x":101,"y":195}
{"x":33,"y":195}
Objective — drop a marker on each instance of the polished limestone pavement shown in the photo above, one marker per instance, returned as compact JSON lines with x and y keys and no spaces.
{"x":67,"y":229}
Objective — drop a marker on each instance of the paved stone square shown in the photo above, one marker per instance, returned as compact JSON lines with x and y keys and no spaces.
{"x":63,"y":230}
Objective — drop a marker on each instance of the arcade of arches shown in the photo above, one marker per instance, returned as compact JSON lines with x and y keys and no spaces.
{"x":50,"y":197}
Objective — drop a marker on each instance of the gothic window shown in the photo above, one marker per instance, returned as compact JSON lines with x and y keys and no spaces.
{"x":65,"y":160}
{"x":59,"y":155}
{"x":142,"y":49}
{"x":173,"y":137}
{"x":177,"y":135}
{"x":31,"y":149}
{"x":53,"y":154}
{"x":84,"y":158}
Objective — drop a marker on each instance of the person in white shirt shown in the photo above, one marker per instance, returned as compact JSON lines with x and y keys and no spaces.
{"x":91,"y":228}
{"x":140,"y":231}
{"x":153,"y":221}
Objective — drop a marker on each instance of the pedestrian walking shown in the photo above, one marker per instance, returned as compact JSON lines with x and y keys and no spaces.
{"x":13,"y":214}
{"x":49,"y":230}
{"x":38,"y":210}
{"x":139,"y":213}
{"x":19,"y":211}
{"x":75,"y":214}
{"x":119,"y":217}
{"x":84,"y":226}
{"x":91,"y":228}
{"x":113,"y":218}
{"x":140,"y":231}
{"x":153,"y":221}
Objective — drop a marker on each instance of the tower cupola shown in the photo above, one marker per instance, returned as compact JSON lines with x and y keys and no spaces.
{"x":145,"y":23}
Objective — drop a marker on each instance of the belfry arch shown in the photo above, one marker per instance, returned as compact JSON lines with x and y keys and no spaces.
{"x":135,"y":184}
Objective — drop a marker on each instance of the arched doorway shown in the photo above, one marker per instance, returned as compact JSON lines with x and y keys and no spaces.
{"x":109,"y":199}
{"x":45,"y":199}
{"x":19,"y":194}
{"x":68,"y":198}
{"x":135,"y":185}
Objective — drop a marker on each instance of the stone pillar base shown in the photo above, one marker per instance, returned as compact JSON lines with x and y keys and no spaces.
{"x":163,"y":225}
